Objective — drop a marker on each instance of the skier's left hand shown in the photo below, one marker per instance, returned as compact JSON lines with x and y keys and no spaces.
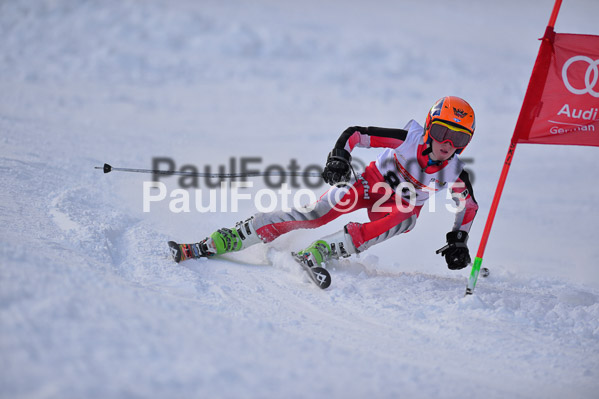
{"x":456,"y":251}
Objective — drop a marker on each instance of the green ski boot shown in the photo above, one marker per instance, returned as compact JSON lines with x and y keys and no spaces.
{"x":334,"y":246}
{"x":316,"y":254}
{"x":220,"y":242}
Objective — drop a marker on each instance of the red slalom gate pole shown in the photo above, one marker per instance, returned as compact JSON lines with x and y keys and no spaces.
{"x":525,"y":119}
{"x":478,"y":260}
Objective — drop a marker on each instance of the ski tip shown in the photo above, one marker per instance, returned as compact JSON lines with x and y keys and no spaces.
{"x":107,"y":168}
{"x":319,"y":275}
{"x":175,"y":251}
{"x":322,"y":277}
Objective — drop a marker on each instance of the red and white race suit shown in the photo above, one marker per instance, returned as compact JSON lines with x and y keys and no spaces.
{"x":393,"y":189}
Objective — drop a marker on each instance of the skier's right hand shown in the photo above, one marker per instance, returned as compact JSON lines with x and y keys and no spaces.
{"x":337,"y":169}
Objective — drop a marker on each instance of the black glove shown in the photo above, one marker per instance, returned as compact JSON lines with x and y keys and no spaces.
{"x":337,"y":169}
{"x":456,"y":251}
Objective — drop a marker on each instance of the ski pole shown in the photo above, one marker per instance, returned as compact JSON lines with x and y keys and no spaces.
{"x":108,"y":168}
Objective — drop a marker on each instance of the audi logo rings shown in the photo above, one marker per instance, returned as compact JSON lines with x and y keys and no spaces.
{"x":591,"y":72}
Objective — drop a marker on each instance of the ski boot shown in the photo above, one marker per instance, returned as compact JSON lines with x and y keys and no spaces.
{"x":335,"y":246}
{"x":220,"y":242}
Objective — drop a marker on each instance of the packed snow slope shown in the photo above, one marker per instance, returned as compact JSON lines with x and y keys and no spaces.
{"x":92,"y":306}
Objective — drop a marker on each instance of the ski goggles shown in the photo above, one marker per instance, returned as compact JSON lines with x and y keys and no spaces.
{"x":442,"y":132}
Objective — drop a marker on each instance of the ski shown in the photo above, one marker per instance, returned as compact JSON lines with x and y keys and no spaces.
{"x":175,"y":251}
{"x":319,"y":275}
{"x":181,"y":252}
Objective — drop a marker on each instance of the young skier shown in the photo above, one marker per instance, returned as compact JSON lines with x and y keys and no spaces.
{"x":417,"y":161}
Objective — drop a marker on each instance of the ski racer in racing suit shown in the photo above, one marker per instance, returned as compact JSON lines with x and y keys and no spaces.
{"x":416,"y":162}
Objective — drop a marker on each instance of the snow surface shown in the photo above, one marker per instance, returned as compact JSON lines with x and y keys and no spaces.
{"x":91,"y":305}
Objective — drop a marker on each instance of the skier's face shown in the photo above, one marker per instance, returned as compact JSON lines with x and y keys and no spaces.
{"x":442,"y":151}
